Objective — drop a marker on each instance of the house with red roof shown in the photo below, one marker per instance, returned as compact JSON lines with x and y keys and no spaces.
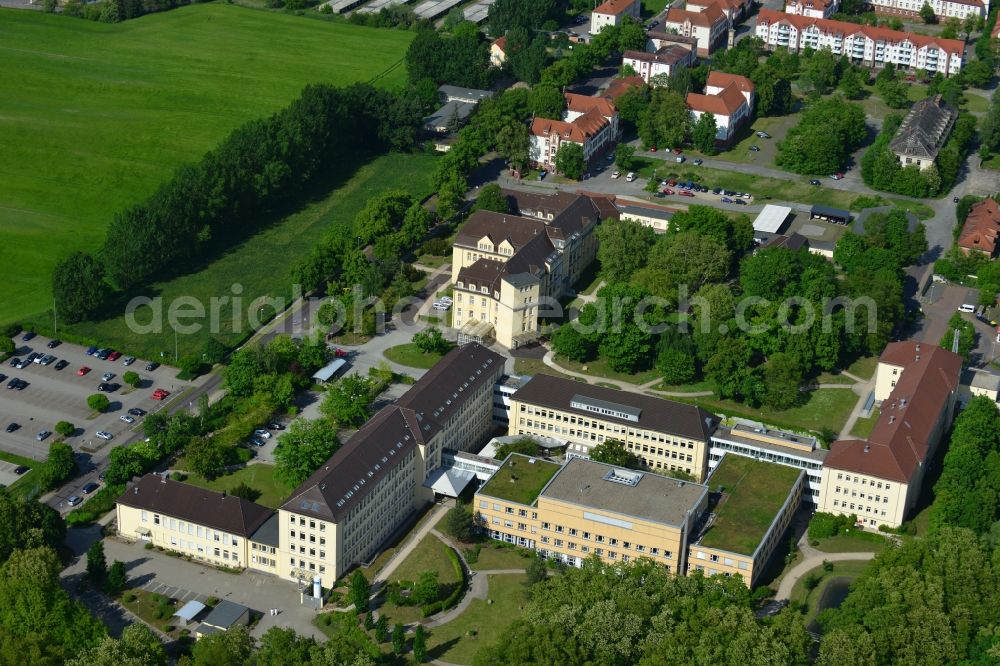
{"x":729,"y":97}
{"x":981,"y":231}
{"x":665,"y":60}
{"x":708,"y":27}
{"x":812,"y":8}
{"x":591,"y":122}
{"x":878,"y":479}
{"x":613,"y":12}
{"x":734,"y":10}
{"x":865,"y":45}
{"x":498,"y":51}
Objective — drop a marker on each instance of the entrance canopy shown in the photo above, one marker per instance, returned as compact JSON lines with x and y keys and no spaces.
{"x":449,"y":482}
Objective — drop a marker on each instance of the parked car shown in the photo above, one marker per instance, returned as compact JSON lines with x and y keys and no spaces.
{"x":105,"y":435}
{"x":697,"y":162}
{"x":275,"y":426}
{"x":12,"y":384}
{"x":21,"y":469}
{"x":679,"y":159}
{"x":3,"y":377}
{"x":21,"y":385}
{"x":652,"y":24}
{"x":136,"y":411}
{"x":652,"y":149}
{"x":763,"y":135}
{"x":260,"y":432}
{"x":729,"y":193}
{"x":114,"y":356}
{"x":61,"y":364}
{"x":32,"y":357}
{"x":107,"y":376}
{"x":739,"y":202}
{"x":11,"y":427}
{"x":15,"y":362}
{"x":160,"y":394}
{"x":954,"y":199}
{"x":127,"y":419}
{"x":129,"y":360}
{"x":686,"y":193}
{"x":53,"y":344}
{"x":28,"y":335}
{"x":677,"y":151}
{"x":755,"y":148}
{"x":102,"y":353}
{"x":726,"y":200}
{"x":152,"y":365}
{"x":716,"y":190}
{"x":616,"y":174}
{"x":82,"y":371}
{"x":43,"y":435}
{"x":91,"y":351}
{"x":671,"y":182}
{"x":47,"y":359}
{"x":667,"y":190}
{"x":630,"y":177}
{"x":74,"y":500}
{"x":108,"y":387}
{"x":340,"y":353}
{"x":257,"y":441}
{"x":90,"y":487}
{"x":837,"y":176}
{"x":815,"y":182}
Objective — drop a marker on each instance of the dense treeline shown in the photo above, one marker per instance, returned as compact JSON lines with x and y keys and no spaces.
{"x":881,"y":169}
{"x":460,"y":59}
{"x":830,"y":130}
{"x":114,"y":11}
{"x":262,"y":165}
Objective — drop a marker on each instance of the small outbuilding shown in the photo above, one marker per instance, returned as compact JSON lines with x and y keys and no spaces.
{"x":771,"y":220}
{"x":830,"y":214}
{"x":223,"y":617}
{"x":330,"y":370}
{"x":189,"y":612}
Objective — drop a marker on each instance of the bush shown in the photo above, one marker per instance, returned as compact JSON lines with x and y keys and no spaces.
{"x":65,"y":428}
{"x":825,"y":525}
{"x":811,"y":581}
{"x":178,"y":476}
{"x":827,"y":565}
{"x":98,"y":402}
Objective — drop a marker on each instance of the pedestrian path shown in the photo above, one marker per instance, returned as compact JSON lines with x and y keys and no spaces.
{"x":812,"y":558}
{"x":549,"y":360}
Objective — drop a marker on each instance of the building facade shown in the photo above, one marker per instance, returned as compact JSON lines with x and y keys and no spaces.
{"x":613,"y":12}
{"x":862,"y":44}
{"x":707,"y":27}
{"x":590,"y":122}
{"x":879,"y":479}
{"x":729,"y":98}
{"x":811,"y":8}
{"x":981,"y":230}
{"x":943,"y":9}
{"x":664,"y":435}
{"x":664,"y":61}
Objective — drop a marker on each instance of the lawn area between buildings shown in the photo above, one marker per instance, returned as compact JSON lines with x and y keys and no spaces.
{"x":864,"y":367}
{"x":855,"y":541}
{"x":599,"y":368}
{"x":843,"y":573}
{"x":431,"y":554}
{"x":261,"y":265}
{"x":482,"y":623}
{"x":410,"y":355}
{"x":97,"y":115}
{"x":863,"y":426}
{"x":260,"y":477}
{"x":494,"y":555}
{"x":535,"y":366}
{"x":825,"y":408}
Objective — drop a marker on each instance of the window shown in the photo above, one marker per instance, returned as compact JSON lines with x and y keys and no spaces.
{"x":156,"y":519}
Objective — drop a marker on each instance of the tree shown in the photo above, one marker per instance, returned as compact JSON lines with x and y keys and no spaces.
{"x":78,"y":287}
{"x":830,"y":130}
{"x":382,"y":628}
{"x":820,"y":71}
{"x":569,"y":160}
{"x":526,"y":59}
{"x":26,"y":524}
{"x":138,"y":646}
{"x":245,"y":365}
{"x":513,"y":142}
{"x":245,"y":491}
{"x":774,"y":90}
{"x":952,"y":25}
{"x":966,"y":336}
{"x":458,"y":523}
{"x":280,"y":646}
{"x":132,"y":378}
{"x":302,"y":449}
{"x":358,"y":591}
{"x":98,"y":402}
{"x":703,"y":133}
{"x":526,"y":446}
{"x":613,"y":452}
{"x":783,"y":373}
{"x":667,"y":120}
{"x":892,"y":89}
{"x":399,"y":633}
{"x":850,"y":83}
{"x":927,"y":14}
{"x":676,"y":358}
{"x":568,"y":342}
{"x":622,"y":247}
{"x":347,"y":400}
{"x":97,"y":564}
{"x":227,"y":648}
{"x":547,"y":101}
{"x":419,"y":644}
{"x":7,"y":347}
{"x":537,"y":570}
{"x":65,"y":428}
{"x":60,"y":465}
{"x":624,"y":156}
{"x":117,"y":578}
{"x":427,"y":589}
{"x":431,"y":341}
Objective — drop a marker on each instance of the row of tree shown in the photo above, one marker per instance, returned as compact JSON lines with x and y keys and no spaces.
{"x":829,"y":132}
{"x":259,"y":167}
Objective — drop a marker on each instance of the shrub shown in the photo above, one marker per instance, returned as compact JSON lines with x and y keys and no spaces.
{"x":825,"y":525}
{"x":811,"y":581}
{"x":65,"y":428}
{"x":98,"y":402}
{"x":827,"y":565}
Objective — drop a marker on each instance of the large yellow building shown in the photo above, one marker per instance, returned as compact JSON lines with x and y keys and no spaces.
{"x":585,"y":508}
{"x":506,"y":267}
{"x":879,"y":479}
{"x":664,"y":435}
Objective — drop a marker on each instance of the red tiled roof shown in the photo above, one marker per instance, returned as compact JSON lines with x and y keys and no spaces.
{"x":723,"y":80}
{"x":814,"y":4}
{"x":902,"y":435}
{"x":501,"y":43}
{"x":615,"y":7}
{"x":768,"y":16}
{"x":621,"y":86}
{"x":705,"y":19}
{"x":585,"y":103}
{"x":981,"y":230}
{"x":726,"y":103}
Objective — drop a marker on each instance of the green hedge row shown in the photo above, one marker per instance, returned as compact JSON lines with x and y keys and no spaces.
{"x":452,"y":599}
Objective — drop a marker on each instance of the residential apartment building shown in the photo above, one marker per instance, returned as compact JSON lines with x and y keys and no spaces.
{"x":207,"y":526}
{"x":586,"y":508}
{"x":981,"y":230}
{"x":664,"y":61}
{"x":613,"y":12}
{"x":760,"y":442}
{"x":750,"y":506}
{"x":506,"y":267}
{"x":591,"y":122}
{"x":879,"y":479}
{"x":943,"y":9}
{"x":707,"y":27}
{"x":811,"y":8}
{"x":861,"y":44}
{"x":728,"y":97}
{"x":923,"y":132}
{"x":664,"y":435}
{"x":734,"y":10}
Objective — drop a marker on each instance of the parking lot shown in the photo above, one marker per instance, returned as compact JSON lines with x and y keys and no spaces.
{"x":61,"y":395}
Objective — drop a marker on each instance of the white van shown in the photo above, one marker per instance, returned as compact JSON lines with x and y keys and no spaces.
{"x":630,"y":177}
{"x":965,"y":307}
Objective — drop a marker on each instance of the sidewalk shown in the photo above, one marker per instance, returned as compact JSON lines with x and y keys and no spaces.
{"x":415,"y":538}
{"x":549,"y":360}
{"x":812,"y":558}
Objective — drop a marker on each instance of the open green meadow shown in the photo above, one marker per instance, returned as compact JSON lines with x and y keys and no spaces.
{"x":95,"y":116}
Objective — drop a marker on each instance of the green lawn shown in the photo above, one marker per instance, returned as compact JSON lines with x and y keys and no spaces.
{"x":409,"y":355}
{"x":262,"y":264}
{"x":992,"y":163}
{"x":826,"y":408}
{"x":874,"y":106}
{"x":753,"y":493}
{"x":493,"y":556}
{"x":27,"y":483}
{"x":864,"y":367}
{"x":519,"y":480}
{"x":96,"y":116}
{"x":863,"y":427}
{"x":599,"y":368}
{"x":535,"y":366}
{"x":260,"y":477}
{"x":849,"y":570}
{"x":431,"y":554}
{"x":858,"y":541}
{"x":482,"y":623}
{"x":834,"y":378}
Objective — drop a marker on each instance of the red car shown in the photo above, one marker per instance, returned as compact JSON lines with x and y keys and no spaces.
{"x":160,"y":394}
{"x":114,"y":356}
{"x":667,"y":190}
{"x":652,"y":149}
{"x":671,"y":182}
{"x":686,"y":193}
{"x":677,"y":151}
{"x":340,"y":353}
{"x":83,"y":370}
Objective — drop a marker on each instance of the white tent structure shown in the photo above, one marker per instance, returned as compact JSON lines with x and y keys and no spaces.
{"x":771,"y":219}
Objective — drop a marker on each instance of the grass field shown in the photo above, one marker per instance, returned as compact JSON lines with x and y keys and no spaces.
{"x":409,"y":355}
{"x":261,"y":264}
{"x":96,"y":115}
{"x":259,"y":477}
{"x":826,"y":408}
{"x":863,"y":426}
{"x":493,"y":555}
{"x":482,"y":623}
{"x":519,"y":480}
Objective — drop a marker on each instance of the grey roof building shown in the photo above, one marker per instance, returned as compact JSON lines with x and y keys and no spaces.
{"x":923,"y":132}
{"x":459,"y":104}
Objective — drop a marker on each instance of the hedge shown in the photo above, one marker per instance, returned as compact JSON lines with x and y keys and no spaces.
{"x":452,"y":599}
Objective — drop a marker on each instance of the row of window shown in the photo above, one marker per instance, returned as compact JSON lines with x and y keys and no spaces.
{"x":196,"y":547}
{"x":191,"y":529}
{"x":858,"y":507}
{"x":728,"y":561}
{"x":863,"y":481}
{"x":870,"y":498}
{"x":304,"y":565}
{"x":312,"y":523}
{"x":264,"y":561}
{"x":312,"y":537}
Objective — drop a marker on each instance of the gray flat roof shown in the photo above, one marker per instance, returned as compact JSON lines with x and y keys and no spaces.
{"x":654,"y":213}
{"x":817,"y":455}
{"x":189,"y":610}
{"x":655,"y":498}
{"x":830,"y":211}
{"x":224,"y":614}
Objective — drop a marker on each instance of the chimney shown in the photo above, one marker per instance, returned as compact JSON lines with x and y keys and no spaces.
{"x":891,"y":419}
{"x":163,"y":479}
{"x":868,"y":447}
{"x":136,"y":489}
